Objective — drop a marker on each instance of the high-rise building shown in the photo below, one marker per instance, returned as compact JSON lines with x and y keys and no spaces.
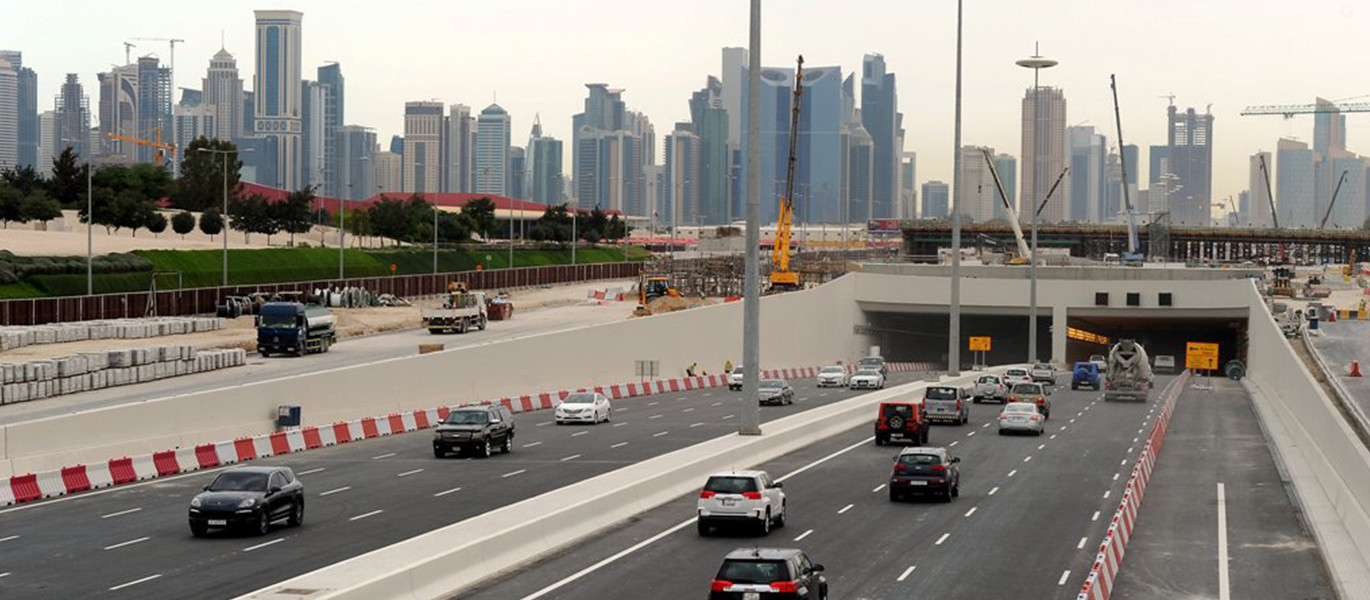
{"x":154,"y":107}
{"x":709,"y":120}
{"x":191,"y":97}
{"x":423,"y":129}
{"x":492,"y":151}
{"x":1088,"y":181}
{"x":47,"y":142}
{"x":332,"y":84}
{"x":1329,"y":128}
{"x":118,"y":112}
{"x":193,"y":122}
{"x":518,"y":171}
{"x":1044,"y":154}
{"x":1295,"y":170}
{"x":73,"y":118}
{"x":935,"y":197}
{"x":389,"y":172}
{"x":858,"y":173}
{"x":734,"y":85}
{"x":818,"y":165}
{"x":978,"y":193}
{"x":1242,"y":218}
{"x":25,"y":107}
{"x":1007,"y":167}
{"x":1257,"y":185}
{"x":356,"y":153}
{"x":682,"y":176}
{"x":1190,"y":142}
{"x":1158,"y":164}
{"x":610,"y":147}
{"x":1343,"y":207}
{"x":9,"y":115}
{"x":459,"y":150}
{"x":276,"y":88}
{"x":908,"y":186}
{"x":879,"y":110}
{"x":223,"y":89}
{"x":312,"y":133}
{"x":543,"y":155}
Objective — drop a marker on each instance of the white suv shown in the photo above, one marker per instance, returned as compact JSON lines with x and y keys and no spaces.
{"x":835,"y":376}
{"x":735,"y":379}
{"x":749,"y":497}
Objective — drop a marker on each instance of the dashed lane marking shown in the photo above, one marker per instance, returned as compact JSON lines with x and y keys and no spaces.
{"x":660,"y":434}
{"x":1064,"y":577}
{"x":618,"y":445}
{"x":531,"y":444}
{"x":446,"y":492}
{"x":803,"y":535}
{"x":942,"y":539}
{"x":1095,"y":517}
{"x":906,"y":573}
{"x":134,"y":582}
{"x":408,"y":473}
{"x":1013,"y":472}
{"x":579,"y":433}
{"x":994,"y":490}
{"x":335,"y":491}
{"x":128,"y":543}
{"x":121,"y":513}
{"x":571,"y":457}
{"x":383,"y":456}
{"x":972,"y":511}
{"x":309,"y":472}
{"x":844,"y":509}
{"x":878,"y":488}
{"x":263,"y":545}
{"x":365,"y":515}
{"x":508,"y":475}
{"x":1081,"y":545}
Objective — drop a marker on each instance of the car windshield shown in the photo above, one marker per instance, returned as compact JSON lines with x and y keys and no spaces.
{"x":1018,"y":407}
{"x":832,"y":370}
{"x":901,"y":410}
{"x":580,"y":399}
{"x":278,"y":321}
{"x":730,"y":485}
{"x":989,"y":379}
{"x":1096,"y":358}
{"x":753,"y":571}
{"x":239,"y":482}
{"x":1015,"y":372}
{"x":1027,"y":388}
{"x":737,"y":370}
{"x":940,"y":393}
{"x":920,"y":459}
{"x":871,"y":362}
{"x":467,"y":417}
{"x":1042,"y":366}
{"x":868,"y":373}
{"x":772,"y":384}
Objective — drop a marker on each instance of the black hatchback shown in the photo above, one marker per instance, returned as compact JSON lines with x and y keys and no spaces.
{"x":925,"y":471}
{"x":249,"y":498}
{"x":757,"y":573}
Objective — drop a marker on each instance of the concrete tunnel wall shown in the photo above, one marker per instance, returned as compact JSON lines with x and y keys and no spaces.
{"x":806,"y":328}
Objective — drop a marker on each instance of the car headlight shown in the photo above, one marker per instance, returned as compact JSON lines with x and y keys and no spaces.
{"x":247,"y":503}
{"x":195,"y":502}
{"x":478,"y":434}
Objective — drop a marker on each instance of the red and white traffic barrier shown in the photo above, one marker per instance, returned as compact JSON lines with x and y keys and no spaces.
{"x":1104,"y":572}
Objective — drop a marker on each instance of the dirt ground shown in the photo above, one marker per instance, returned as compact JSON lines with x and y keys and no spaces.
{"x":240,"y":333}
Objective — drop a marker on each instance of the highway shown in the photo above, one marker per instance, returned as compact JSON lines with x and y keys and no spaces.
{"x":133,"y":541}
{"x":1029,"y":519}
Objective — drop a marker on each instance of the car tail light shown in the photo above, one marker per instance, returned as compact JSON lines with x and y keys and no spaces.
{"x":785,"y":587}
{"x":958,"y":405}
{"x":751,"y":495}
{"x":720,"y":585}
{"x":706,"y":494}
{"x":900,"y":468}
{"x":939,"y":467}
{"x":881,"y":425}
{"x":1003,"y":415}
{"x":1036,"y":417}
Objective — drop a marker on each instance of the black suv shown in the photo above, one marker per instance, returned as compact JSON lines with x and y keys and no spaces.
{"x":250,"y":498}
{"x":480,"y":429}
{"x":768,"y":573}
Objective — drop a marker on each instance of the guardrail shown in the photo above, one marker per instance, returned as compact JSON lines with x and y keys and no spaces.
{"x":37,"y":311}
{"x":1360,"y":420}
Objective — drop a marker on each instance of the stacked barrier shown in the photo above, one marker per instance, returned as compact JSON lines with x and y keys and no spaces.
{"x":45,"y":378}
{"x":112,"y":329}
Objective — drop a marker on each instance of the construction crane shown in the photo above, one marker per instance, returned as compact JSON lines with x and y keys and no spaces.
{"x":1289,"y":110}
{"x":128,"y":48}
{"x":165,"y":150}
{"x":172,"y":76}
{"x":1133,"y":257}
{"x":1333,"y":202}
{"x":782,"y":277}
{"x":1270,"y":193}
{"x":1023,"y":250}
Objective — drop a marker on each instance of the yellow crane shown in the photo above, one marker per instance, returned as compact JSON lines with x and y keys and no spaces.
{"x":165,"y":150}
{"x":782,"y":277}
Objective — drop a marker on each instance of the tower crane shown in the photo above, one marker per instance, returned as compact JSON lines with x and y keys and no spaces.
{"x":1333,"y":201}
{"x":172,"y":42}
{"x":165,"y":150}
{"x":782,"y":277}
{"x":128,"y":48}
{"x":1289,"y":110}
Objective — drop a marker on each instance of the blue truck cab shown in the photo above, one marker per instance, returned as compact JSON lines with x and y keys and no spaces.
{"x":294,"y":328}
{"x":1085,"y":374}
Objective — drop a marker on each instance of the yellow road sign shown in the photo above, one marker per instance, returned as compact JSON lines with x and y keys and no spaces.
{"x":1201,"y":356}
{"x":979,"y":343}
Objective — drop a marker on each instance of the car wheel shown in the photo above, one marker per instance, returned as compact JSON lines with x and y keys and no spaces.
{"x":508,"y":445}
{"x":975,"y":400}
{"x":438,"y":453}
{"x":956,"y":490}
{"x":198,"y":529}
{"x":895,"y":495}
{"x":608,"y":415}
{"x":1001,"y":431}
{"x":297,"y":514}
{"x":703,"y":527}
{"x":766,"y":523}
{"x":263,"y":524}
{"x":879,"y":441}
{"x":484,"y":450}
{"x":481,"y":323}
{"x":780,"y":518}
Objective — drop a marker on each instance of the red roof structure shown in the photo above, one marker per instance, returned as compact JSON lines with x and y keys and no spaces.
{"x":447,"y":201}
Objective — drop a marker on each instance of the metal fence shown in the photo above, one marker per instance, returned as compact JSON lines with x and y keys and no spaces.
{"x":36,"y":311}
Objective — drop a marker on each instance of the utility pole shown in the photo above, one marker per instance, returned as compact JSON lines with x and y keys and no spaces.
{"x":751,"y":302}
{"x":954,"y":326}
{"x":1036,"y":62}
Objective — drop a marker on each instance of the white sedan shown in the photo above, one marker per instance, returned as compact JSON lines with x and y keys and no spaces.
{"x":868,"y":379}
{"x":1021,"y":416}
{"x":1015,"y":376}
{"x":584,"y":407}
{"x":834,"y":376}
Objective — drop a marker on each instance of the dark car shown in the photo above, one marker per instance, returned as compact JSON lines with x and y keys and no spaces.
{"x":925,"y":471}
{"x":757,"y":573}
{"x":775,"y":391}
{"x":480,"y":429}
{"x":1085,"y":374}
{"x":249,"y":498}
{"x":901,"y":422}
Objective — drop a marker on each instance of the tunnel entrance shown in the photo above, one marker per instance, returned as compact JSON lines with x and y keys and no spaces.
{"x":922,"y":337}
{"x":1159,"y":335}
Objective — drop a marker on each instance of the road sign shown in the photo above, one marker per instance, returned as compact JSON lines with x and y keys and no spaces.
{"x":1201,"y":356}
{"x":979,"y":343}
{"x":394,"y":267}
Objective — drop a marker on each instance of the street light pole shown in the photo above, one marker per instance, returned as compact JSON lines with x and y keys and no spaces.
{"x":225,"y":154}
{"x":90,"y":228}
{"x":1036,"y":62}
{"x":750,"y":424}
{"x":954,"y":326}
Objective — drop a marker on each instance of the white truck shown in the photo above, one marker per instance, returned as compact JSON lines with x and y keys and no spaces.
{"x":464,"y":310}
{"x":1129,"y":372}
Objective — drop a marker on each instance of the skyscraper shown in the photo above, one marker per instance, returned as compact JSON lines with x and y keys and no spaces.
{"x":1329,"y":128}
{"x":543,"y":177}
{"x":1044,"y":154}
{"x":1088,"y":181}
{"x":879,"y":110}
{"x":423,"y":124}
{"x":459,"y":150}
{"x":492,"y":151}
{"x":908,"y":185}
{"x":154,"y":107}
{"x":312,"y":133}
{"x":518,"y":171}
{"x":276,"y":87}
{"x":1190,"y":150}
{"x":1007,"y":167}
{"x":709,"y":120}
{"x":935,"y":196}
{"x":1259,"y":213}
{"x":610,"y":147}
{"x":9,"y":115}
{"x":978,"y":192}
{"x":1294,"y":191}
{"x":223,"y":89}
{"x":47,"y":142}
{"x":193,"y":122}
{"x":682,"y":176}
{"x":25,"y":106}
{"x":858,"y":175}
{"x":331,"y":82}
{"x":356,"y":153}
{"x":118,"y":111}
{"x":388,"y":172}
{"x":818,"y":168}
{"x":73,"y":118}
{"x":1343,"y":207}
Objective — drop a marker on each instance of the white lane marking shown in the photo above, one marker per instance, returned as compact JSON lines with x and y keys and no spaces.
{"x":985,"y":425}
{"x":803,"y":535}
{"x":688,"y":410}
{"x":4,"y":575}
{"x":619,"y":424}
{"x":972,"y":511}
{"x":716,"y":403}
{"x":128,"y":543}
{"x":653,"y":403}
{"x":263,"y":545}
{"x":1129,"y":449}
{"x":1081,"y":545}
{"x":1115,"y":476}
{"x":994,"y":491}
{"x":878,"y":488}
{"x":1107,"y":493}
{"x":1224,"y":589}
{"x":571,"y":457}
{"x":618,"y":445}
{"x":845,"y":508}
{"x":408,"y":473}
{"x":654,"y":417}
{"x":1042,"y":447}
{"x":1134,"y":440}
{"x":508,"y":475}
{"x":953,"y":443}
{"x":1063,"y":427}
{"x":942,"y":539}
{"x":707,"y":394}
{"x":309,"y":472}
{"x":446,"y":492}
{"x":660,"y":434}
{"x":531,"y":444}
{"x":970,"y":434}
{"x":1027,"y":458}
{"x":546,"y":423}
{"x":1013,"y":472}
{"x":693,"y":425}
{"x":134,"y":582}
{"x":680,"y":398}
{"x":906,"y":573}
{"x":331,"y":492}
{"x":1053,"y":436}
{"x":1095,"y":517}
{"x":386,"y":455}
{"x":823,"y":395}
{"x":1072,"y":421}
{"x":674,"y":528}
{"x":1124,"y":463}
{"x":121,"y":513}
{"x":6,"y":539}
{"x":1064,"y":577}
{"x":365,"y":515}
{"x":579,"y":433}
{"x":726,"y":417}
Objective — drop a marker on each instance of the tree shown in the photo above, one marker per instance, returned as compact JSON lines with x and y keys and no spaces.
{"x":102,"y":201}
{"x":617,"y":228}
{"x":156,"y":223}
{"x":211,"y":223}
{"x":39,"y":207}
{"x":480,"y":214}
{"x":132,"y":210}
{"x":250,"y":215}
{"x":11,"y":205}
{"x":183,"y":222}
{"x":25,"y":178}
{"x":390,"y":218}
{"x":452,"y":228}
{"x":68,"y":181}
{"x":359,"y":223}
{"x":202,"y":174}
{"x":293,"y":215}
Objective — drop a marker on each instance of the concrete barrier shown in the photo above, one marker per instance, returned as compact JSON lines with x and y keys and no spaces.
{"x":443,"y":562}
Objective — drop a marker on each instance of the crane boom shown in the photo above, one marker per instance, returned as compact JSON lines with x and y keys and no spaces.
{"x":1333,"y":202}
{"x":1132,"y":256}
{"x":781,"y":275}
{"x":1023,"y":249}
{"x":1270,"y":194}
{"x":1289,"y":110}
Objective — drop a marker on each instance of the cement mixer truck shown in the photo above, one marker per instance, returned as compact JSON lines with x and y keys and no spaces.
{"x":1129,"y":372}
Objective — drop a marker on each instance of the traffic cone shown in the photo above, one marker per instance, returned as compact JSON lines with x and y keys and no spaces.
{"x":1355,"y":369}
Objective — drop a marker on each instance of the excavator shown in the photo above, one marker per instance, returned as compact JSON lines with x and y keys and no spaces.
{"x":783,"y":278}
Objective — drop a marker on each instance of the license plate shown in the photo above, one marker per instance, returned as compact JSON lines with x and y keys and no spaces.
{"x":751,"y":596}
{"x":918,"y":482}
{"x":729,"y":502}
{"x":218,"y":522}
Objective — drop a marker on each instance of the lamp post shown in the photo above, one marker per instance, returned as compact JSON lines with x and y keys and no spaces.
{"x":750,"y":423}
{"x":1035,"y":62}
{"x":225,"y":154}
{"x":954,"y":325}
{"x":90,"y":228}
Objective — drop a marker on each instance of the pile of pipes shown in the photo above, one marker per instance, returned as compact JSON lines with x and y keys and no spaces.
{"x":113,"y":329}
{"x":38,"y":379}
{"x":355,"y":297}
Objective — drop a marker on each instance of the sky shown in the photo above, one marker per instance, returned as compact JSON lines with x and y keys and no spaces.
{"x":536,"y":55}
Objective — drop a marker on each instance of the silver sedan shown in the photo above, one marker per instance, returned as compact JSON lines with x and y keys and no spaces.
{"x":1021,"y":416}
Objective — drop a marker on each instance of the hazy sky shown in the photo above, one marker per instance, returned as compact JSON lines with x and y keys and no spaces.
{"x":537,"y":54}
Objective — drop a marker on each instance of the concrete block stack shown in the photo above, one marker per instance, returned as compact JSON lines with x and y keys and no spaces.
{"x":115,"y":329}
{"x":38,"y":379}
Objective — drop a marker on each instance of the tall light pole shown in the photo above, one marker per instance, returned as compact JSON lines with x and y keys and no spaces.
{"x":225,"y":154}
{"x":750,"y":424}
{"x":954,"y":326}
{"x":1035,"y":62}
{"x":90,"y":228}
